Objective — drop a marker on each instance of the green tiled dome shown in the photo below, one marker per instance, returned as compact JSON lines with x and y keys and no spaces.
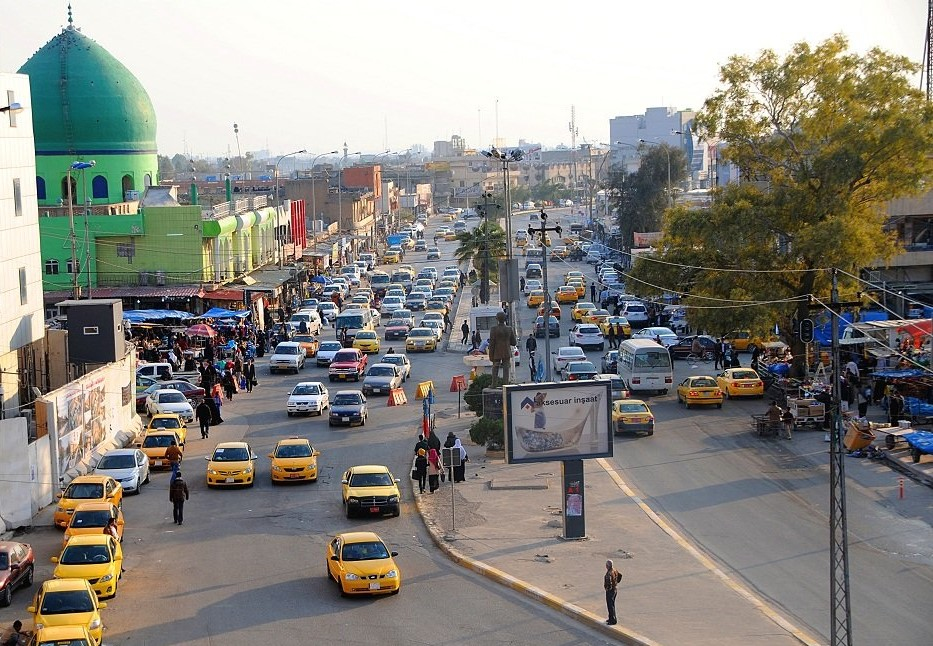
{"x":86,"y":102}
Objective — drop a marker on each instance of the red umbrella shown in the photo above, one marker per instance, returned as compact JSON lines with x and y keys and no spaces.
{"x":201,"y":329}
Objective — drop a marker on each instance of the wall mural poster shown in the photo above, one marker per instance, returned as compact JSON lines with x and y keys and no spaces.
{"x":95,"y":431}
{"x":70,"y":418}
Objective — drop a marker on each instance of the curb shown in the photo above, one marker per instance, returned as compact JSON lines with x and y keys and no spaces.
{"x":617,"y":632}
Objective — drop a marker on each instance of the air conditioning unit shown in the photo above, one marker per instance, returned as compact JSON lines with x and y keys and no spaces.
{"x":144,"y":279}
{"x":160,"y":278}
{"x":131,"y":196}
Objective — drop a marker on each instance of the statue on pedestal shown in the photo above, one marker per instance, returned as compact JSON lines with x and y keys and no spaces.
{"x":501,"y":340}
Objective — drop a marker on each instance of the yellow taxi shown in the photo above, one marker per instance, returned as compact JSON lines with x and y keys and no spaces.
{"x":308,"y":343}
{"x":547,"y":240}
{"x":231,"y":464}
{"x":449,"y":217}
{"x":566,"y":294}
{"x":535,"y":298}
{"x":370,"y":489}
{"x":740,"y":382}
{"x":294,"y":459}
{"x":632,"y":416}
{"x":743,"y":340}
{"x":450,"y":235}
{"x":91,"y":518}
{"x":169,"y":422}
{"x":555,"y":309}
{"x":361,"y":563}
{"x":366,"y":341}
{"x":436,"y":305}
{"x":699,"y":390}
{"x":447,"y":282}
{"x":91,"y":488}
{"x":597,"y":317}
{"x":155,"y":443}
{"x":579,"y":284}
{"x":67,"y":635}
{"x":408,"y":243}
{"x":573,"y":273}
{"x":97,"y":558}
{"x":421,"y":339}
{"x":391,"y":257}
{"x":560,"y":252}
{"x":580,"y":309}
{"x":521,"y":242}
{"x":83,"y":607}
{"x":406,"y":267}
{"x":616,"y":321}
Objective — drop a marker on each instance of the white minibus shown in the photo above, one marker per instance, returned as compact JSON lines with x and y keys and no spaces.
{"x":645,"y":366}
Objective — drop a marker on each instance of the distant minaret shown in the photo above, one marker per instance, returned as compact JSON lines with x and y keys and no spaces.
{"x":345,"y":149}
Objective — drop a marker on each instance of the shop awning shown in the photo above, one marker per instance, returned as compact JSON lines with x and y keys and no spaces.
{"x":225,"y":295}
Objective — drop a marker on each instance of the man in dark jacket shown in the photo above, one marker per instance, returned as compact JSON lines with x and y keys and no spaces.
{"x":203,"y":413}
{"x":178,"y":494}
{"x":249,"y":372}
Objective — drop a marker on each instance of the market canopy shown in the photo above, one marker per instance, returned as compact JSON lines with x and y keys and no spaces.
{"x":221,"y":313}
{"x":143,"y":316}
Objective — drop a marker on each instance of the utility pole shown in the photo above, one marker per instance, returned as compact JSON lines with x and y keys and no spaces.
{"x":543,"y":229}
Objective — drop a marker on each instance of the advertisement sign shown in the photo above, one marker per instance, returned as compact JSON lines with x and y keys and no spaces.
{"x":557,"y":421}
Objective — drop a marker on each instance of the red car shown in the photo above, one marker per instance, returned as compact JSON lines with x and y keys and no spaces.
{"x":348,"y":363}
{"x":17,"y":563}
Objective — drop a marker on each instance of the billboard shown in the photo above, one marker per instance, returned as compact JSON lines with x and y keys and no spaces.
{"x":557,"y":421}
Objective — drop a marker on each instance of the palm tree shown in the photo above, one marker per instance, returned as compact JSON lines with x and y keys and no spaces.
{"x":473,"y":246}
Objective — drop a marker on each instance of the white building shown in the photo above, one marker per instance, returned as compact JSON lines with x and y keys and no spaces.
{"x":22,"y":319}
{"x":655,"y":126}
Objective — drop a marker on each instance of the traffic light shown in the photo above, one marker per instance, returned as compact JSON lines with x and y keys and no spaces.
{"x":806,"y":330}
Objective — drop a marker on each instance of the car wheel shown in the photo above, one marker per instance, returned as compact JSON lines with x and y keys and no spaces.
{"x":349,"y":513}
{"x":397,"y":512}
{"x":650,"y":432}
{"x":329,"y":423}
{"x":6,"y":597}
{"x":718,"y":405}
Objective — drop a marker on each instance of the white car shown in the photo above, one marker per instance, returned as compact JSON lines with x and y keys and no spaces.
{"x":587,"y":335}
{"x":532,"y":285}
{"x":328,"y":310}
{"x":288,"y":355}
{"x":390,"y":304}
{"x":667,"y":336}
{"x":636,"y":313}
{"x":167,"y":400}
{"x":433,"y":316}
{"x":566,"y":354}
{"x":310,"y":318}
{"x":129,"y":467}
{"x":308,"y":397}
{"x":326,"y":352}
{"x":436,"y":326}
{"x":401,"y":362}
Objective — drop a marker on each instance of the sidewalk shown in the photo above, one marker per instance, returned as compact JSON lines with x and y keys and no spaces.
{"x":669,"y":593}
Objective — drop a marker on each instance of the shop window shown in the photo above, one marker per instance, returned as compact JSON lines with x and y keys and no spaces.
{"x":99,"y":188}
{"x":74,"y":267}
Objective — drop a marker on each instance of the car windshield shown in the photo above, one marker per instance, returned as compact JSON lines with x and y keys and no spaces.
{"x":66,"y":601}
{"x":744,"y":374}
{"x":366,"y":335}
{"x":286,"y":349}
{"x":421,"y":332}
{"x":307,"y":389}
{"x":381,"y":371}
{"x":84,"y":491}
{"x":116,"y":462}
{"x":572,"y":352}
{"x":702,"y":382}
{"x":397,"y":360}
{"x":171,"y":398}
{"x":589,"y":329}
{"x":350,"y":320}
{"x":347,"y":399}
{"x":330,"y":346}
{"x":582,"y":366}
{"x":351,"y":357}
{"x":235,"y":454}
{"x":370,"y":480}
{"x":380,"y":279}
{"x":633,"y":408}
{"x":157,"y":441}
{"x":303,"y":338}
{"x":84,"y":555}
{"x":293,"y":451}
{"x":164,"y":422}
{"x":652,"y":359}
{"x":397,"y":323}
{"x":95,"y":518}
{"x":368,"y":551}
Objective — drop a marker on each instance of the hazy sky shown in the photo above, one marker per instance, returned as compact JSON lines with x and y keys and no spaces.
{"x":385,"y":75}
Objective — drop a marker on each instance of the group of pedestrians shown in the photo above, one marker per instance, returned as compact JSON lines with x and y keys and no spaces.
{"x":428,"y":469}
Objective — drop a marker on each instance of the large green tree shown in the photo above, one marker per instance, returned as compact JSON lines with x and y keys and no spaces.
{"x":824,"y":138}
{"x":472,"y":247}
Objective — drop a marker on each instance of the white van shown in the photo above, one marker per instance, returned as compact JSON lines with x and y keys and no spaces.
{"x":354,"y":320}
{"x":154,"y":370}
{"x":645,"y":366}
{"x":533,"y":255}
{"x":311,"y":318}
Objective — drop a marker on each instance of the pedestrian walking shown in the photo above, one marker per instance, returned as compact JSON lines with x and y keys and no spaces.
{"x":611,"y":583}
{"x":173,"y":455}
{"x":448,"y":324}
{"x":178,"y":494}
{"x":249,"y":372}
{"x":611,"y":335}
{"x":228,"y":384}
{"x":531,"y":345}
{"x":788,"y":420}
{"x":477,"y":339}
{"x":459,"y":472}
{"x":593,"y":291}
{"x":465,"y":329}
{"x":203,"y":413}
{"x":421,"y":469}
{"x":434,"y":470}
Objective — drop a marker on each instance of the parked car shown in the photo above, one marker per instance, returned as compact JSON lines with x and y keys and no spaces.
{"x":17,"y":565}
{"x":68,"y":602}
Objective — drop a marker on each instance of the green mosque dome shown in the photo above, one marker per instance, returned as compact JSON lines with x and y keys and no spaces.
{"x":85,"y":102}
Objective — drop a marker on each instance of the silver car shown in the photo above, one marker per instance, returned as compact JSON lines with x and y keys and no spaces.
{"x":381,"y":378}
{"x":129,"y":467}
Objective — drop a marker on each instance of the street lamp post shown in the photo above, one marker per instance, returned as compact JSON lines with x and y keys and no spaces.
{"x":78,"y":165}
{"x":280,"y":234}
{"x":543,"y":229}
